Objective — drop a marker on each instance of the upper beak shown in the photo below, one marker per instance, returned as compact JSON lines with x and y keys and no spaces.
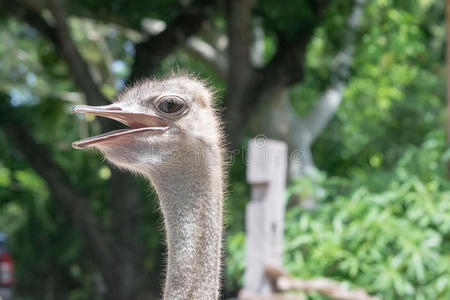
{"x":138,"y":122}
{"x":115,"y":112}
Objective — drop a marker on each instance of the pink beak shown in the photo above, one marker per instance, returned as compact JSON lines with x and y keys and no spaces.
{"x":138,"y":123}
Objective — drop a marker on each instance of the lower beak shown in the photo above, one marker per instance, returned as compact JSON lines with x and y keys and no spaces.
{"x":138,"y":123}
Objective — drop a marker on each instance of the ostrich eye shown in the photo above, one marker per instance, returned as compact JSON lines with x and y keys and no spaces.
{"x":171,"y":105}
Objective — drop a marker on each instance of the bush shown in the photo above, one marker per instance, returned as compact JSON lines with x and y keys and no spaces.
{"x":387,"y":232}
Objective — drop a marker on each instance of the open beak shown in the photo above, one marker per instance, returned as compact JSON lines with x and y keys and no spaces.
{"x":138,"y":123}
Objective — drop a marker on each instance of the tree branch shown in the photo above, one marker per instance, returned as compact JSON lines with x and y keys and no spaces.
{"x":195,"y":46}
{"x":76,"y":204}
{"x":300,"y":133}
{"x":78,"y":66}
{"x":328,"y":103}
{"x":323,"y":110}
{"x":30,"y":16}
{"x":239,"y":36}
{"x":282,"y":281}
{"x":286,"y":66}
{"x":240,"y":71}
{"x":208,"y":54}
{"x":60,"y":37}
{"x":153,"y":50}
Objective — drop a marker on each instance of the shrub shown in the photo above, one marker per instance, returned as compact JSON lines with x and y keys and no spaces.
{"x":385,"y":231}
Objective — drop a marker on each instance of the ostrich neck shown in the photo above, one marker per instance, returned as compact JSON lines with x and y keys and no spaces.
{"x":191,"y":201}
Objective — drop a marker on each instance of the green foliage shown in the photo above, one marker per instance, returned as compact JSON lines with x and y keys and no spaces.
{"x":382,"y":220}
{"x":387,"y":232}
{"x":395,"y":94}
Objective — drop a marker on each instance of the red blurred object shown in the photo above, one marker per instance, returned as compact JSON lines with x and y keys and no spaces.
{"x":6,"y":269}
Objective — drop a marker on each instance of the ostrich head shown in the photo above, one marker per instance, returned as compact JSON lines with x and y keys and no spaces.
{"x":171,"y":122}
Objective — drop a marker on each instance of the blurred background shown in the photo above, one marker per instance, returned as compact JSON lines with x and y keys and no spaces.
{"x":356,"y":87}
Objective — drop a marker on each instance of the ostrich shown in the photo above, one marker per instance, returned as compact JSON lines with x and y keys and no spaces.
{"x":174,"y":140}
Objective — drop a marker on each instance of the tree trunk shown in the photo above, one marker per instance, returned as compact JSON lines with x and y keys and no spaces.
{"x":129,"y":247}
{"x":277,"y":120}
{"x":240,"y":71}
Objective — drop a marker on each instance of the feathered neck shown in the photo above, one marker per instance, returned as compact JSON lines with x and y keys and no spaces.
{"x":191,"y":197}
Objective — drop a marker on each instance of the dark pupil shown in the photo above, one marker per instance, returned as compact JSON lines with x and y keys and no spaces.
{"x":170,"y":106}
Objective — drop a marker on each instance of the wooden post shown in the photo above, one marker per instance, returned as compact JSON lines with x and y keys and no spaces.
{"x":266,"y":172}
